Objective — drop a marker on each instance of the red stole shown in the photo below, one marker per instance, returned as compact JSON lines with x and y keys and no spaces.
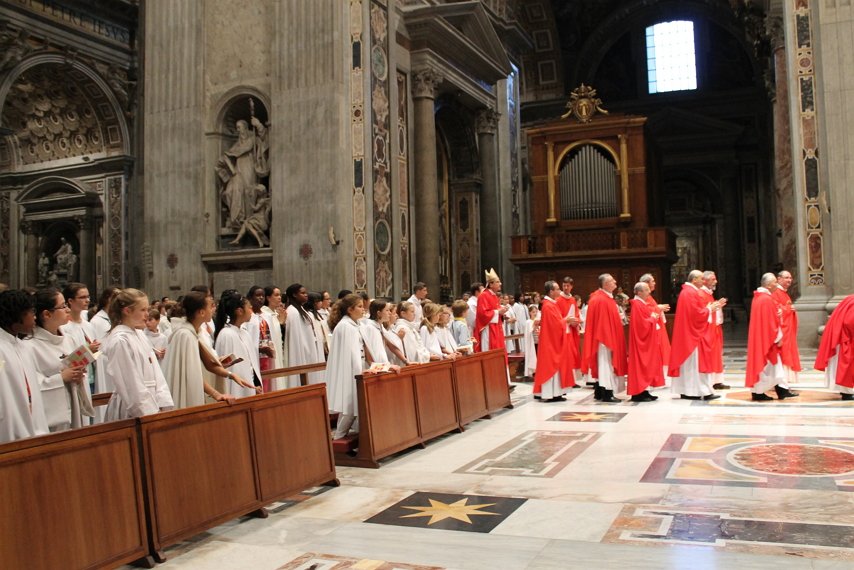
{"x":604,"y":326}
{"x":572,"y":342}
{"x":663,"y":339}
{"x":550,"y":354}
{"x":645,"y":368}
{"x":712,"y":344}
{"x":761,"y":334}
{"x":838,"y":338}
{"x":487,"y":306}
{"x":692,"y":320}
{"x":789,"y":351}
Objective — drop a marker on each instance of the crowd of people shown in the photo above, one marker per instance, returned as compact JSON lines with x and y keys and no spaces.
{"x":57,"y":348}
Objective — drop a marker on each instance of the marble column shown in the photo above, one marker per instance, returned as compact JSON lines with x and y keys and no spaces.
{"x":86,"y":273}
{"x":30,"y":230}
{"x":425,"y":82}
{"x":490,"y":203}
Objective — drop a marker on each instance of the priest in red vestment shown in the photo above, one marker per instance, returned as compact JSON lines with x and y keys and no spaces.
{"x":572,"y":343}
{"x":789,"y":347}
{"x":836,"y":351}
{"x":550,"y":382}
{"x":488,"y":325}
{"x":712,"y":347}
{"x":645,"y":368}
{"x":605,"y":341}
{"x":764,"y":336}
{"x":693,"y":316}
{"x":663,"y":339}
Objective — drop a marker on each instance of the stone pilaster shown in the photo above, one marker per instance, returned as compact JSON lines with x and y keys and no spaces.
{"x":425,"y":83}
{"x":486,"y":126}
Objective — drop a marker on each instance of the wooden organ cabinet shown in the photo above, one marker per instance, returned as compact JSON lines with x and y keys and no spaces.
{"x":594,"y":206}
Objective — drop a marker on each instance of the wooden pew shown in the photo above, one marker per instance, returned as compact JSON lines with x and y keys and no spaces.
{"x":301,"y":371}
{"x":208,"y":464}
{"x":516,"y":360}
{"x":401,"y":410}
{"x":73,"y":500}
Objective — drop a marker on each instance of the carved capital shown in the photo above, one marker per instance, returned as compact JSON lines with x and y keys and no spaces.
{"x":775,"y":31}
{"x":487,"y":122}
{"x":425,"y":81}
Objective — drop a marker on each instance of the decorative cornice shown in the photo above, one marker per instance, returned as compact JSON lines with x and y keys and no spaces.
{"x":425,"y":82}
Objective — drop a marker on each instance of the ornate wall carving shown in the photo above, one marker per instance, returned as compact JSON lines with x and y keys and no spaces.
{"x":357,"y":120}
{"x":383,"y":220}
{"x":403,"y":169}
{"x":5,"y":238}
{"x":115,"y":231}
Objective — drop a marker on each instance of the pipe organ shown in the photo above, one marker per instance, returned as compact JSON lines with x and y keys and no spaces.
{"x":588,"y":185}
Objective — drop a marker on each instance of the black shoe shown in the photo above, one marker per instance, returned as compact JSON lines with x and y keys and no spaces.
{"x":720,"y":386}
{"x":847,"y":397}
{"x":608,"y":397}
{"x":711,"y":397}
{"x":592,"y":384}
{"x":512,"y":387}
{"x":761,"y":397}
{"x":555,"y":399}
{"x":684,"y":397}
{"x":644,"y":396}
{"x":597,"y":392}
{"x":783,"y":393}
{"x":537,"y":397}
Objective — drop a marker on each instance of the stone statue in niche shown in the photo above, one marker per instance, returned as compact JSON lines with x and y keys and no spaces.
{"x":240,"y":170}
{"x":66,"y":259}
{"x":44,"y":267}
{"x":258,"y":223}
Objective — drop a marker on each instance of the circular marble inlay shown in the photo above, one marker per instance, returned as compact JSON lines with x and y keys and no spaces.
{"x":794,"y":459}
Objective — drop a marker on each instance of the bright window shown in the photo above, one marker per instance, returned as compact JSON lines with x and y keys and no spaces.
{"x":671,"y":64}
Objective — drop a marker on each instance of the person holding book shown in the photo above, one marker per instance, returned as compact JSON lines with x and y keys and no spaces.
{"x":187,"y":357}
{"x":78,"y":327}
{"x":231,"y":337}
{"x":67,"y":401}
{"x":128,"y":363}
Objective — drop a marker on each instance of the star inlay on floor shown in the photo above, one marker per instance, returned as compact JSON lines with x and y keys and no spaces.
{"x":609,"y":417}
{"x":471,"y":513}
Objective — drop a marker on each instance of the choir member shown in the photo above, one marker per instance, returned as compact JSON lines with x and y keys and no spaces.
{"x":302,"y":343}
{"x":789,"y":347}
{"x":78,"y":327}
{"x":101,"y":319}
{"x":22,"y":412}
{"x":65,"y":392}
{"x":413,"y":347}
{"x":764,"y":337}
{"x":836,"y":351}
{"x":395,"y":350}
{"x":693,"y":316}
{"x":276,"y":315}
{"x":155,"y":338}
{"x":605,"y":342}
{"x":372,"y":333}
{"x":231,"y":338}
{"x":345,"y":362}
{"x":419,"y":294}
{"x":321,"y":328}
{"x":459,"y":326}
{"x":645,"y":369}
{"x":532,"y":332}
{"x":128,"y":361}
{"x":429,"y":335}
{"x":260,"y":327}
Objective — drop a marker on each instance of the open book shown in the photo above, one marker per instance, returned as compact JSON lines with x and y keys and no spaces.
{"x":82,"y":356}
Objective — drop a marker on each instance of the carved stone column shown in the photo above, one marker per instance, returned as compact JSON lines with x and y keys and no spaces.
{"x":30,"y":230}
{"x":86,"y":263}
{"x":490,"y":205}
{"x":425,"y":82}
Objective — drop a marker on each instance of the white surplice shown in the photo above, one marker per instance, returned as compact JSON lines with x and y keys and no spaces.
{"x":372,"y":333}
{"x":344,"y":364}
{"x":235,"y":340}
{"x":413,"y":348}
{"x":130,"y":366}
{"x":100,"y":325}
{"x":431,"y":341}
{"x":21,"y":408}
{"x":183,"y":367}
{"x":530,"y":347}
{"x":303,"y":346}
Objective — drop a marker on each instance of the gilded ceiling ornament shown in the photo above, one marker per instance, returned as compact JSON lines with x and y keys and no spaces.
{"x":583,"y":104}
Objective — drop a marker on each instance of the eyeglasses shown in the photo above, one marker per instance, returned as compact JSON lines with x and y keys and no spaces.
{"x":83,"y":297}
{"x":60,"y":308}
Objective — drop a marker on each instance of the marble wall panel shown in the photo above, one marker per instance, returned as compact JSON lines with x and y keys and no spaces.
{"x":237,"y":40}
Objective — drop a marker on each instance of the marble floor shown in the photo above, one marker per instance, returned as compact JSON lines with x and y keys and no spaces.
{"x":576,"y":484}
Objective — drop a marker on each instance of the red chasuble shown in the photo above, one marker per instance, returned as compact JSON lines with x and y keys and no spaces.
{"x":604,"y":326}
{"x":645,"y":368}
{"x":550,"y":354}
{"x":789,"y":351}
{"x":712,"y":345}
{"x":761,"y":334}
{"x":487,"y":306}
{"x":692,"y":320}
{"x":572,"y":342}
{"x":838,"y":337}
{"x":663,"y":339}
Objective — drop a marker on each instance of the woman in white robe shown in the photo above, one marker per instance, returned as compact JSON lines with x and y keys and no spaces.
{"x":128,"y":362}
{"x":100,"y":321}
{"x":233,"y":313}
{"x":276,"y":314}
{"x":79,"y":328}
{"x":413,"y":348}
{"x":303,"y":345}
{"x":21,"y":408}
{"x":345,"y":362}
{"x":65,"y":393}
{"x":377,"y":344}
{"x":188,"y":358}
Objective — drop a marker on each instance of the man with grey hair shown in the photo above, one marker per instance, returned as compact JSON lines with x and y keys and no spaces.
{"x":789,"y":319}
{"x":645,"y":368}
{"x":605,"y":342}
{"x":663,"y":339}
{"x":693,"y":316}
{"x":550,"y":381}
{"x":764,"y":337}
{"x":712,"y":347}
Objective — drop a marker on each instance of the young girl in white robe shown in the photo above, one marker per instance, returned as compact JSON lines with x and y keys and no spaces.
{"x":413,"y":348}
{"x":128,"y":362}
{"x":302,"y":343}
{"x":394,"y":340}
{"x":65,"y":390}
{"x":79,"y":328}
{"x":429,"y":334}
{"x":21,"y":408}
{"x":345,"y":362}
{"x":231,"y":337}
{"x":157,"y":339}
